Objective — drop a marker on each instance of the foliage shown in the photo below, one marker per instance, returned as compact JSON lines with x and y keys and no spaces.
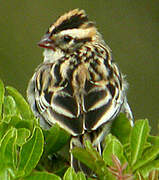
{"x":28,"y":152}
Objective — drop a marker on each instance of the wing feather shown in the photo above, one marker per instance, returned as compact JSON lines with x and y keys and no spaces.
{"x":54,"y":101}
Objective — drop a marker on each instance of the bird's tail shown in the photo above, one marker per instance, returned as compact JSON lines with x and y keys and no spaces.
{"x":97,"y":140}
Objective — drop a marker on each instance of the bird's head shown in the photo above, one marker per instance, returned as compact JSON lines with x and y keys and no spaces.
{"x":70,"y":31}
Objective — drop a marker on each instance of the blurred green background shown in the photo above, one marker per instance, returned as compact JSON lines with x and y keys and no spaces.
{"x":129,"y":27}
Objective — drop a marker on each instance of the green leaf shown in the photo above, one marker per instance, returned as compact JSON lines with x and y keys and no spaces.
{"x":81,"y":176}
{"x":138,"y":139}
{"x":121,"y":128}
{"x":3,"y":129}
{"x":153,"y":140}
{"x":2,"y":91}
{"x":22,"y":105}
{"x":70,"y":174}
{"x":31,"y":152}
{"x":55,"y":139}
{"x":9,"y":108}
{"x":10,"y":152}
{"x":145,"y":170}
{"x":113,"y":147}
{"x":99,"y":164}
{"x":7,"y":151}
{"x":90,"y":158}
{"x":17,"y":122}
{"x":148,"y":156}
{"x":23,"y":134}
{"x":4,"y":175}
{"x":84,"y":156}
{"x":108,"y":176}
{"x":42,"y":176}
{"x":92,"y":151}
{"x":138,"y":176}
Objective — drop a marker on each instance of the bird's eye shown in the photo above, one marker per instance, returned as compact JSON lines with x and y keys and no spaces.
{"x":67,"y":38}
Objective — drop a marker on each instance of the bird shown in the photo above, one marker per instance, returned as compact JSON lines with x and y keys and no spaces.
{"x":78,"y":85}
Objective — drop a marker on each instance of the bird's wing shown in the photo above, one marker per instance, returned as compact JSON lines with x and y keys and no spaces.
{"x":104,"y":98}
{"x":51,"y":98}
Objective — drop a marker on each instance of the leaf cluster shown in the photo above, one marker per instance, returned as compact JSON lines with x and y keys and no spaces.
{"x":28,"y":152}
{"x":129,"y":153}
{"x":24,"y":146}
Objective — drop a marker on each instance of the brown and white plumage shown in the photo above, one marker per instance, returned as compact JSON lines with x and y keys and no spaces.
{"x":78,"y":86}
